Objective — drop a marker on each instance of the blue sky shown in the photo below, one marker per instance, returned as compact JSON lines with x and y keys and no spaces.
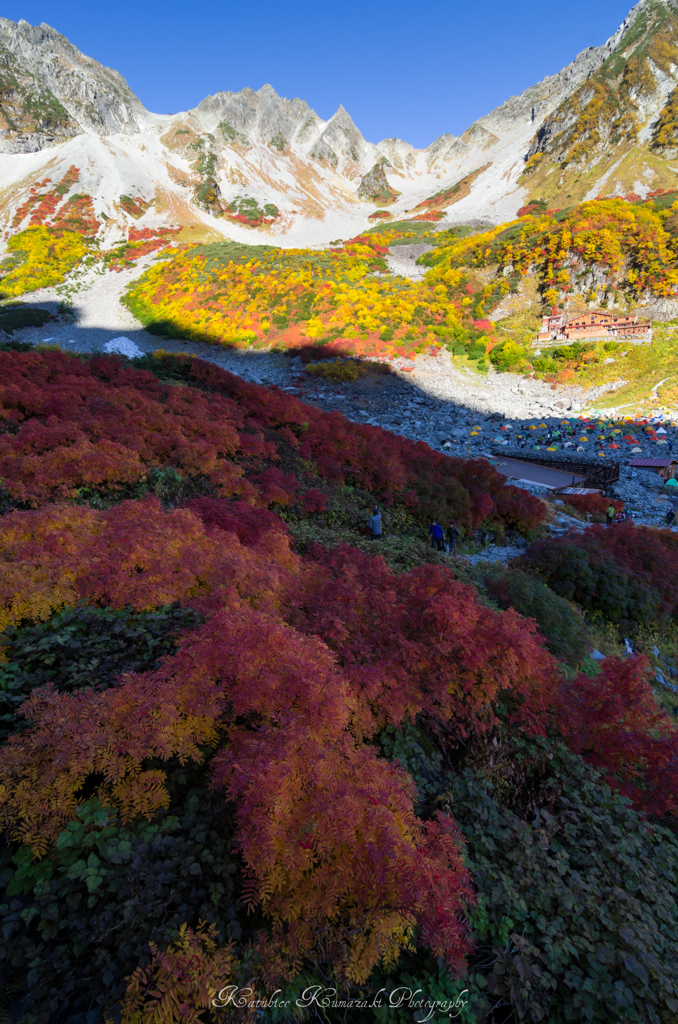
{"x":407,"y":70}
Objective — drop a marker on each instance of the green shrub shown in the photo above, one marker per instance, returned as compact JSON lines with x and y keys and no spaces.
{"x":421,"y":759}
{"x":563,"y":627}
{"x":598,"y":583}
{"x":576,"y":917}
{"x":13,"y":318}
{"x":78,"y":922}
{"x":84,"y":647}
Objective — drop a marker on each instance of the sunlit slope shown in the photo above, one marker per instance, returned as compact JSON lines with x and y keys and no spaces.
{"x":483,"y":293}
{"x":617,"y":133}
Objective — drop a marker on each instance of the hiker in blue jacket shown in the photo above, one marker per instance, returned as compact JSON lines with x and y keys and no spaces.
{"x":375,"y":524}
{"x":435,"y":532}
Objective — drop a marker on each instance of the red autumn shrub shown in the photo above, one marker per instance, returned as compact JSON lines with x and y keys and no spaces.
{"x":102,"y":424}
{"x":614,"y":720}
{"x":247,"y":522}
{"x":135,"y":555}
{"x":420,"y":641}
{"x":72,"y":424}
{"x":619,"y":572}
{"x":314,"y":500}
{"x":298,"y":664}
{"x":333,"y":851}
{"x":382,"y":462}
{"x":294,"y":668}
{"x":646,"y":553}
{"x":48,"y":463}
{"x":276,"y":487}
{"x":593,"y":503}
{"x":518,"y":509}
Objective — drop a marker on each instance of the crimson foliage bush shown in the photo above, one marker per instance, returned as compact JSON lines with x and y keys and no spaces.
{"x":68,"y":424}
{"x":613,"y":720}
{"x":302,"y":674}
{"x":594,"y":503}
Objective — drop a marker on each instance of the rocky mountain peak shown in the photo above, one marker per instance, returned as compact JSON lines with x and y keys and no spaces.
{"x":340,"y":139}
{"x":607,"y":124}
{"x":263,"y":115}
{"x":625,"y":99}
{"x":50,"y":91}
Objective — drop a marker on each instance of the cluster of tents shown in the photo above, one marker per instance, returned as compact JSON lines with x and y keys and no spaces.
{"x":630,"y":436}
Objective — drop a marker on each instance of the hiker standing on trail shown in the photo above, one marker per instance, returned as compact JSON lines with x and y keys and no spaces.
{"x":435,"y":532}
{"x":610,"y":515}
{"x":452,"y":536}
{"x":375,"y":524}
{"x":670,"y":517}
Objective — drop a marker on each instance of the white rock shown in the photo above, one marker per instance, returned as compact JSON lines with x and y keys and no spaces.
{"x":123,"y":347}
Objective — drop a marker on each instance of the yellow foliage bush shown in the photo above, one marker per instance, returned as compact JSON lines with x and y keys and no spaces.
{"x":629,"y":241}
{"x":338,"y":372}
{"x":212,"y":294}
{"x":39,"y":258}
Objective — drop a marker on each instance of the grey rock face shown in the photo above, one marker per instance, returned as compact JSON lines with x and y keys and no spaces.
{"x":262,"y":115}
{"x":49,"y":91}
{"x":400,"y":154}
{"x":341,"y":137}
{"x":323,"y":153}
{"x":374,"y":185}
